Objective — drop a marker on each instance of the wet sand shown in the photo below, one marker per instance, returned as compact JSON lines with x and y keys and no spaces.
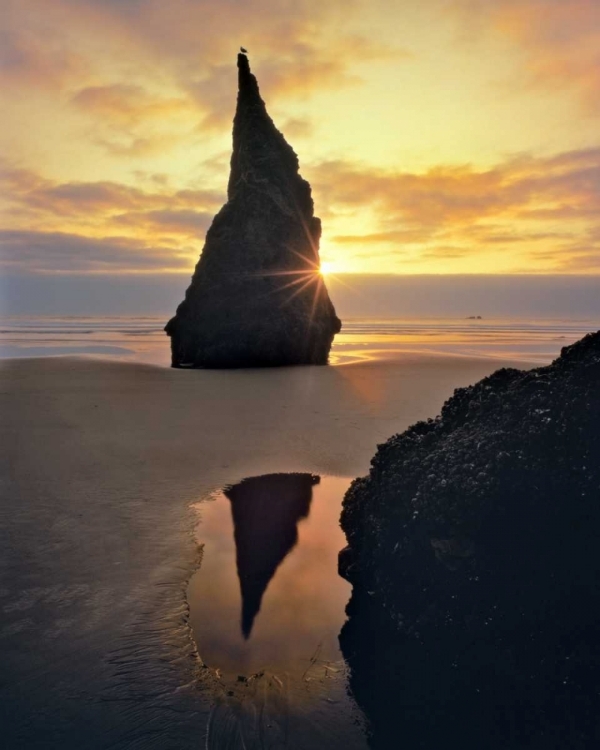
{"x":101,"y":462}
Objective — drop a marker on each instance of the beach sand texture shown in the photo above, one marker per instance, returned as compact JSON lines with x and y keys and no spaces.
{"x":100,"y":464}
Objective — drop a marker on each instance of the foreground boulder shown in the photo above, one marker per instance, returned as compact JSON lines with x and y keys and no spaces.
{"x":257,"y":297}
{"x":474,"y":554}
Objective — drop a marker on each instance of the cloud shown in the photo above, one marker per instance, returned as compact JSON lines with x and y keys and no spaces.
{"x":132,"y":147}
{"x":60,"y":252}
{"x":27,"y":58}
{"x":306,"y":66}
{"x":580,"y":254}
{"x":32,"y":192}
{"x":297,"y":127}
{"x":98,"y":197}
{"x":296,"y":67}
{"x":214,"y":95}
{"x":103,"y":54}
{"x":559,"y":41}
{"x":156,"y":178}
{"x":375,"y":238}
{"x":447,"y":252}
{"x":85,"y":226}
{"x":127,"y":103}
{"x":183,"y":222}
{"x":500,"y":213}
{"x":445,"y":196}
{"x":532,"y":209}
{"x":128,"y":121}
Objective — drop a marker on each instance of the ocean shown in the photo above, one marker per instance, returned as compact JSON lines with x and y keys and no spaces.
{"x":141,"y":338}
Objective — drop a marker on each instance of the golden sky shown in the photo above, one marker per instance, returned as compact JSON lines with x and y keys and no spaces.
{"x":439,"y":136}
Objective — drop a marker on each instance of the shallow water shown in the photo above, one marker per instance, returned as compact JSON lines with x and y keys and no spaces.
{"x":142,"y":339}
{"x":268,"y":575}
{"x":267,"y":606}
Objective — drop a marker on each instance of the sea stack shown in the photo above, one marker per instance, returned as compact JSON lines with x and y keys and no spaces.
{"x":257,"y":297}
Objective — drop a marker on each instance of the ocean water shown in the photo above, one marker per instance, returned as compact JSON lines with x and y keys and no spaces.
{"x":142,"y":339}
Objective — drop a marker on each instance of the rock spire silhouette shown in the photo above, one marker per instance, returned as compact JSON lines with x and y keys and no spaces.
{"x":257,"y":297}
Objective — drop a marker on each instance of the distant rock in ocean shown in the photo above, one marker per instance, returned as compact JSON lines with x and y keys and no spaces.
{"x":473,"y":550}
{"x":257,"y":297}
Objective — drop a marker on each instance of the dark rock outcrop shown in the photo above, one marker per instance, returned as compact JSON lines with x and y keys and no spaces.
{"x":257,"y":297}
{"x":474,"y":553}
{"x":266,"y":511}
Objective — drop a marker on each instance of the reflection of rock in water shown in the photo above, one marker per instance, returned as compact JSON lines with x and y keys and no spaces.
{"x":266,"y":511}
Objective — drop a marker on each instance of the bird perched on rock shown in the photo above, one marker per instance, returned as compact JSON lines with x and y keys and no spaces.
{"x":243,"y":49}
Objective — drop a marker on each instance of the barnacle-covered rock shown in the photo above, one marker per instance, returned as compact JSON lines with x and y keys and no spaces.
{"x":474,"y":554}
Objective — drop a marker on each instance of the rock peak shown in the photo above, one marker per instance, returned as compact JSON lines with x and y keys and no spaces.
{"x":245,"y":77}
{"x":258,"y":147}
{"x":256,"y":297}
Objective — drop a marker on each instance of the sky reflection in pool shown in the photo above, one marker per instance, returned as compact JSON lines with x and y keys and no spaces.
{"x":268,"y":595}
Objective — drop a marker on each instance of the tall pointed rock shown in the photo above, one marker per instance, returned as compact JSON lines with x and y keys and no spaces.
{"x":257,"y":297}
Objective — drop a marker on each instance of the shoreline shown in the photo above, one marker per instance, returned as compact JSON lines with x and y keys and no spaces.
{"x":133,"y":340}
{"x":399,"y":357}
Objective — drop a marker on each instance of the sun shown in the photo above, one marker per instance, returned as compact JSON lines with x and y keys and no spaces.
{"x":325,"y":268}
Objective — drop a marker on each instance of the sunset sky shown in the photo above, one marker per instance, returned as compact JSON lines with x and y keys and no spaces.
{"x":439,"y":136}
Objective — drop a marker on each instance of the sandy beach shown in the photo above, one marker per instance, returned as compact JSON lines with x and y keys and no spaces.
{"x":101,"y":462}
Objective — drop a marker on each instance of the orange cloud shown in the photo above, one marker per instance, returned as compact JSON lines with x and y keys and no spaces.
{"x":295,"y":67}
{"x":125,"y":118}
{"x":534,"y":212}
{"x":522,"y":205}
{"x":181,"y":45}
{"x":397,"y":236}
{"x":448,"y":195}
{"x":31,"y":191}
{"x":180,"y":222}
{"x":127,"y":103}
{"x":137,"y":147}
{"x":86,"y":227}
{"x":305,"y":67}
{"x":31,"y":59}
